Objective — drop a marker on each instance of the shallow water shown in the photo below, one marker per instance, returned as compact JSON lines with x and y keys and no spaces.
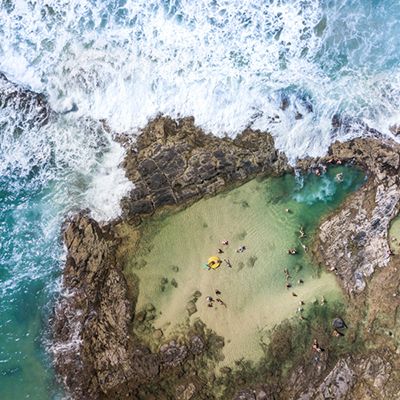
{"x":254,"y":289}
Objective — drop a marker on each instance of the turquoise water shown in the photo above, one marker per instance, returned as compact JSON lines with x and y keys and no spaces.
{"x":287,"y":66}
{"x":30,"y":252}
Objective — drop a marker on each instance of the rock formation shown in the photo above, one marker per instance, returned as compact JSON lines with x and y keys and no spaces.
{"x":353,"y":242}
{"x":32,"y":106}
{"x":174,"y":163}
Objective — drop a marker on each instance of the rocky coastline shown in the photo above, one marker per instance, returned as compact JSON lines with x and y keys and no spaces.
{"x":173,"y":164}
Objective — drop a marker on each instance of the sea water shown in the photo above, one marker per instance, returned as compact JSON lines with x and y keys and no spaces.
{"x":287,"y":66}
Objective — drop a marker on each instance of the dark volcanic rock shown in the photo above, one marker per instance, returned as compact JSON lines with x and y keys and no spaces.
{"x":91,"y":338}
{"x":93,"y":346}
{"x":176,"y":162}
{"x":32,"y":107}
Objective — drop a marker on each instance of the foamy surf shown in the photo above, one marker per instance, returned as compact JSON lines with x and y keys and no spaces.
{"x":229,"y":64}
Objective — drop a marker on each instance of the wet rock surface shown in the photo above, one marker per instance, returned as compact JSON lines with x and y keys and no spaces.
{"x":353,"y":242}
{"x":33,"y":106}
{"x":175,"y":163}
{"x":91,"y":335}
{"x":355,"y":378}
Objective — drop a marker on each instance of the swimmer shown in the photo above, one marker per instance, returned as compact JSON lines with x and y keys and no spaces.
{"x":302,"y":233}
{"x":315,"y":346}
{"x":221,"y":302}
{"x":339,"y":177}
{"x":336,"y":333}
{"x":228,"y":263}
{"x":292,"y":251}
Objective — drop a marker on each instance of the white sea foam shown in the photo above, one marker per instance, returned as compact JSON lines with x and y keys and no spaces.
{"x":108,"y":186}
{"x":227,"y":63}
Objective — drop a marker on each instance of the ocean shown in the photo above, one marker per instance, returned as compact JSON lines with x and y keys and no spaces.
{"x":287,"y":67}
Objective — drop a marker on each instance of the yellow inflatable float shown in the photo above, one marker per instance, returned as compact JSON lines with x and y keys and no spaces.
{"x":214,"y":262}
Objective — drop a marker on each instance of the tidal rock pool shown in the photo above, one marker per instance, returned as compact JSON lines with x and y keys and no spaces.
{"x":259,"y":283}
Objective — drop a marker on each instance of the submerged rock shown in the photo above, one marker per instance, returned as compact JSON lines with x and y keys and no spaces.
{"x":31,"y":106}
{"x":338,"y":323}
{"x":191,"y":308}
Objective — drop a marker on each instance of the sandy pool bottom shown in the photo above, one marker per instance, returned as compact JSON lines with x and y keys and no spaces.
{"x":173,"y":250}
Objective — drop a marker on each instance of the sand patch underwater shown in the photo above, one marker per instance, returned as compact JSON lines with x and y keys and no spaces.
{"x":173,"y":251}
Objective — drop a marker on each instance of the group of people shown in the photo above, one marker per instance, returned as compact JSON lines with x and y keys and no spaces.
{"x":227,"y":262}
{"x":210,"y":300}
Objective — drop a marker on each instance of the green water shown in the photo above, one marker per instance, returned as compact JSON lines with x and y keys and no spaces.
{"x":263,"y":215}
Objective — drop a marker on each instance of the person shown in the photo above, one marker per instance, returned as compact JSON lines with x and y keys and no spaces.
{"x":287,"y":274}
{"x":228,"y":263}
{"x":221,"y":302}
{"x":209,"y":299}
{"x":241,"y":249}
{"x":336,"y":333}
{"x":220,"y":251}
{"x":292,"y":251}
{"x":300,"y":281}
{"x":302,"y":233}
{"x":225,"y":243}
{"x":288,"y":285}
{"x":217,"y":292}
{"x":339,"y":177}
{"x":315,"y":346}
